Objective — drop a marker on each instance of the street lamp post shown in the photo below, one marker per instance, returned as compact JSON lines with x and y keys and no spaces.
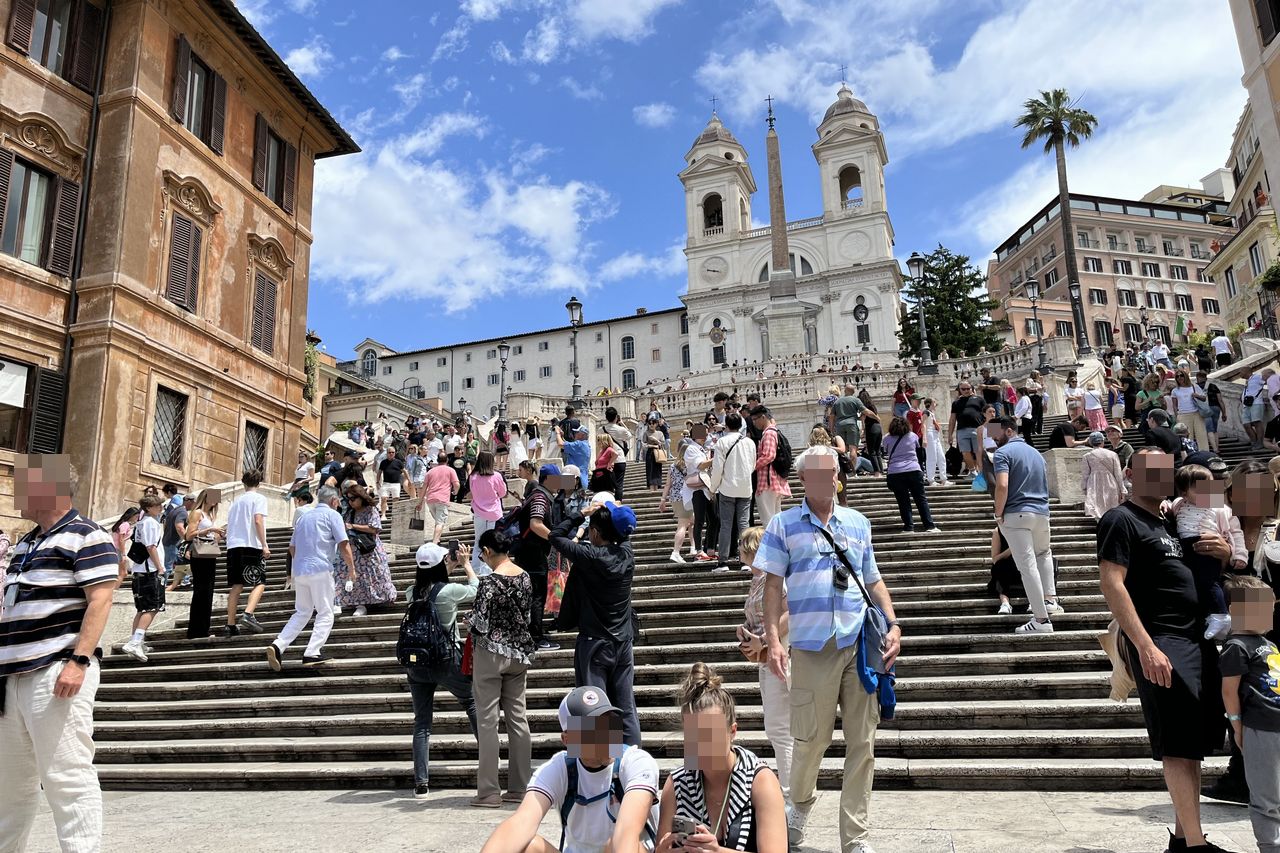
{"x":575,"y":320}
{"x":917,"y":267}
{"x":504,"y":352}
{"x":1142,"y":318}
{"x":1077,"y":314}
{"x":1032,"y":288}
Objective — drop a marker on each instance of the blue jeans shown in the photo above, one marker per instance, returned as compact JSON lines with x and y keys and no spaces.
{"x":170,"y":557}
{"x":423,"y":682}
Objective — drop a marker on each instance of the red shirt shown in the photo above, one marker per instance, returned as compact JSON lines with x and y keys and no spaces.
{"x":915,"y":420}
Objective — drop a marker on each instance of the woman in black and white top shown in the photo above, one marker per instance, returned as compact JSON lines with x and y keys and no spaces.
{"x":732,"y":797}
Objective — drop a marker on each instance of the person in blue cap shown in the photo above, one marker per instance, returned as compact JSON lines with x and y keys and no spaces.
{"x":598,"y":601}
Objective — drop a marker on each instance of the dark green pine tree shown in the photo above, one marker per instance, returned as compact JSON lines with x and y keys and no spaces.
{"x":957,"y":309}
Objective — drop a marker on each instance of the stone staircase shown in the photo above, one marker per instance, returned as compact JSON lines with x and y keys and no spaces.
{"x":1232,"y":450}
{"x":978,"y":707}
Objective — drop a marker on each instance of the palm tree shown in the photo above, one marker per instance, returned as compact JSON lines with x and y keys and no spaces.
{"x":1055,"y":119}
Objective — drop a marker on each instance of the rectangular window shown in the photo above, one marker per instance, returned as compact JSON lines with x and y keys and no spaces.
{"x":1184,"y":302}
{"x":468,"y":383}
{"x":1050,"y":278}
{"x":1102,"y":333}
{"x":1255,"y":260}
{"x":684,"y":324}
{"x":863,"y":331}
{"x":198,"y":99}
{"x":491,"y":379}
{"x":24,"y":219}
{"x":684,"y":357}
{"x":1033,"y":327}
{"x":1150,"y":270}
{"x":255,"y":447}
{"x":1140,"y":243}
{"x":1082,"y":239}
{"x":1113,"y":242}
{"x":386,"y":370}
{"x":1062,"y":328}
{"x":442,"y":361}
{"x":653,"y":328}
{"x":1155,"y":300}
{"x":493,"y":353}
{"x":518,"y":349}
{"x":1093,"y":264}
{"x":275,"y":166}
{"x":442,"y":387}
{"x":1097,"y":296}
{"x":1178,"y":272}
{"x":655,"y":355}
{"x":1161,"y":332}
{"x":182,"y":283}
{"x":1122,"y":267}
{"x":413,"y":365}
{"x":1132,"y":333}
{"x":544,"y":372}
{"x":168,"y":430}
{"x":543,"y":346}
{"x":61,"y":35}
{"x":263,"y":325}
{"x":599,"y":364}
{"x":718,"y":355}
{"x":518,"y":376}
{"x":599,"y":337}
{"x":1127,"y":298}
{"x":467,"y":357}
{"x":1210,"y":306}
{"x":1229,"y":279}
{"x":1202,"y":276}
{"x":1268,"y":12}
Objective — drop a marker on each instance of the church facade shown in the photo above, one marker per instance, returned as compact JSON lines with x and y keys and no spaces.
{"x":838,"y":287}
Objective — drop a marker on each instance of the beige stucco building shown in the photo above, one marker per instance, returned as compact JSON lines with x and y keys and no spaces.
{"x":155,"y":244}
{"x":1142,"y":267}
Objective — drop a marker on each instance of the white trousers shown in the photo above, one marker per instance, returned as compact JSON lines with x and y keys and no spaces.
{"x":48,"y":742}
{"x":768,"y":504}
{"x":1028,"y":536}
{"x":481,"y":525}
{"x":935,"y":460}
{"x":311,"y":594}
{"x":775,"y":695}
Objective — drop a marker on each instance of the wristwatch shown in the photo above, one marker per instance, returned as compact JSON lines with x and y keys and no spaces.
{"x":892,"y":623}
{"x":83,"y":660}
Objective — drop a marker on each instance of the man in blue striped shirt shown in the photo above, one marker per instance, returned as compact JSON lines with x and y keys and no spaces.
{"x":825,"y":622}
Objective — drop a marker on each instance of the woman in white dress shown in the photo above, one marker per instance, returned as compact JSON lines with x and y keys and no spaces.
{"x":1101,"y":477}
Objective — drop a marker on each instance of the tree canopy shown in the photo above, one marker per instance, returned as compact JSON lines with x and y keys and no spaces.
{"x":957,"y":309}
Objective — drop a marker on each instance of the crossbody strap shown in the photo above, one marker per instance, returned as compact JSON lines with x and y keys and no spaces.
{"x":845,"y":559}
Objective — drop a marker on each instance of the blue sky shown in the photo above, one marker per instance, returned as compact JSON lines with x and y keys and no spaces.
{"x":518,"y":152}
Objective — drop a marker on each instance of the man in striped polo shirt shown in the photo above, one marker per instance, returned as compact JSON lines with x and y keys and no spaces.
{"x":825,"y":609}
{"x":57,"y":595}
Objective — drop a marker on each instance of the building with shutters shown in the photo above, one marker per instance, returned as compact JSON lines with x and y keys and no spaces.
{"x":1142,"y":265}
{"x":156,"y":164}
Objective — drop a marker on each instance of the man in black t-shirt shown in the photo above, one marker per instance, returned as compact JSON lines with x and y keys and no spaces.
{"x":536,"y":521}
{"x":1065,"y":434}
{"x":390,"y":473}
{"x":1152,"y":592}
{"x":966,"y":417}
{"x":1160,"y":435}
{"x":990,"y":387}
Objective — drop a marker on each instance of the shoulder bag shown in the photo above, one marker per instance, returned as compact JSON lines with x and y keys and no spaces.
{"x":875,"y":625}
{"x":363,"y":542}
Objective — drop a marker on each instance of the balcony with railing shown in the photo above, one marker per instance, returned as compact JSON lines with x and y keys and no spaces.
{"x":1085,"y":243}
{"x":1049,"y":255}
{"x":1146,"y":250}
{"x":714,"y":231}
{"x":1117,"y":246}
{"x":1200,"y":254}
{"x":811,"y":222}
{"x":1174,"y":253}
{"x":853,"y":203}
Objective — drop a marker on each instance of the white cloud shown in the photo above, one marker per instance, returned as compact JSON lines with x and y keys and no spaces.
{"x":542,"y":43}
{"x":394,"y":54}
{"x":630,"y":20}
{"x":583,"y":93}
{"x":502,"y":53}
{"x":453,"y":41}
{"x":410,"y":90}
{"x":654,"y":115}
{"x":310,"y":60}
{"x":302,"y":7}
{"x":259,"y":12}
{"x":629,"y":265}
{"x":451,"y":236}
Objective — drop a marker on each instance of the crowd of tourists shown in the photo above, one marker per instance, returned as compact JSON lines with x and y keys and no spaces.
{"x":1187,"y":550}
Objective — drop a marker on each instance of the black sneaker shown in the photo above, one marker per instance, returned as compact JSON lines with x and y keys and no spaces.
{"x":1176,"y":845}
{"x":251,"y":624}
{"x":274,"y":657}
{"x":421,"y":792}
{"x":314,"y":660}
{"x":230,"y":630}
{"x":1207,"y":847}
{"x":1227,"y":789}
{"x":547,"y":646}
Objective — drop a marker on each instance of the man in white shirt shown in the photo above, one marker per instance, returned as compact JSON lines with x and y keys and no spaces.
{"x":319,"y":536}
{"x":1160,"y":354}
{"x":622,"y":439}
{"x":1222,"y":349}
{"x":731,"y":469}
{"x":247,"y":553}
{"x":614,"y":789}
{"x":1253,"y":405}
{"x":452,"y":441}
{"x":147,"y":574}
{"x":433,"y":448}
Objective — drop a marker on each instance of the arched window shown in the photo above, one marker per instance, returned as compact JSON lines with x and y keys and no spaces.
{"x":684,"y":324}
{"x":628,"y":348}
{"x":806,"y":268}
{"x":628,"y":379}
{"x":850,"y":187}
{"x":744,"y":218}
{"x":369,"y":363}
{"x":684,"y":356}
{"x":712,"y":215}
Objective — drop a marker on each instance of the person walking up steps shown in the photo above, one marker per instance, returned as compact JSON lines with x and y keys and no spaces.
{"x":773,"y":454}
{"x":319,"y":537}
{"x":247,"y":553}
{"x":904,"y":477}
{"x":730,"y":480}
{"x":146,"y":567}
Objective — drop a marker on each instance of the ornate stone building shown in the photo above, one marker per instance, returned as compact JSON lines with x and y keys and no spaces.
{"x":156,"y":163}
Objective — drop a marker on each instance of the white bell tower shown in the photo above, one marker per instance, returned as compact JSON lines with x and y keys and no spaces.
{"x":851,"y":158}
{"x":717,"y":192}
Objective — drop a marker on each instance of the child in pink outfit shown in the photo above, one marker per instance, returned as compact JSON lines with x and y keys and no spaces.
{"x":1202,"y":508}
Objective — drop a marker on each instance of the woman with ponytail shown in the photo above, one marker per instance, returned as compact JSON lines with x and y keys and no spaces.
{"x":733,"y":799}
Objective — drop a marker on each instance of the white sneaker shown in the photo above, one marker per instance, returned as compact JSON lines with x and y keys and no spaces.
{"x":1217,"y":626}
{"x":1053,"y":607}
{"x":360,"y":611}
{"x":720,"y":569}
{"x":135,"y":651}
{"x":1034,"y":627}
{"x":934,"y":529}
{"x":861,"y":847}
{"x":675,"y":557}
{"x":337,"y":610}
{"x":1005,"y":608}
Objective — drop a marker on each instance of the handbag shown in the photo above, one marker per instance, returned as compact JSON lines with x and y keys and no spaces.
{"x":468,"y":656}
{"x":205,"y":548}
{"x":364,"y":542}
{"x":417,"y":522}
{"x":660,"y":456}
{"x":875,"y":625}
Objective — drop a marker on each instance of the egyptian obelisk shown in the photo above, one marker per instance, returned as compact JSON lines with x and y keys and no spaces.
{"x":785,"y":315}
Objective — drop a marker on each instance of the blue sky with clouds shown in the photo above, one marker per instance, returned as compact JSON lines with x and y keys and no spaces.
{"x":518,"y":152}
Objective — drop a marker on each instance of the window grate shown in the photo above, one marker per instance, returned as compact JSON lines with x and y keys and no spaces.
{"x":169,"y":428}
{"x":255,"y":448}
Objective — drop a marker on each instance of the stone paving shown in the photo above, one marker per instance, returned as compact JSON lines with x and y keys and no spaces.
{"x":387,"y":821}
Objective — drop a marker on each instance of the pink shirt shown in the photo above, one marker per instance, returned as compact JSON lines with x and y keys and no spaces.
{"x":442,"y":482}
{"x":487,"y":493}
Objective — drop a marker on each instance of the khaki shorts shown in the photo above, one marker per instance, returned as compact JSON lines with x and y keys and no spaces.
{"x":439,"y":513}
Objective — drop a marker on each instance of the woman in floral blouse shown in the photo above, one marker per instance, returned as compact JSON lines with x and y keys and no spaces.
{"x":502,"y":652}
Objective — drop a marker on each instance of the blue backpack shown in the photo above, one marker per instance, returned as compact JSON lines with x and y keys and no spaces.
{"x":614,"y":793}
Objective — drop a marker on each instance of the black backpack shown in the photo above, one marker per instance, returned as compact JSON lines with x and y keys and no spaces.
{"x":782,"y":457}
{"x":424,"y":641}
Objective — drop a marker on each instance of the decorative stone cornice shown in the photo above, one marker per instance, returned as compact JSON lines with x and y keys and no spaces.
{"x":39,"y":138}
{"x":192,"y":196}
{"x":268,"y":253}
{"x":742,"y":311}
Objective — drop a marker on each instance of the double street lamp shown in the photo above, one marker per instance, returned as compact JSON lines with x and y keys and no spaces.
{"x":917,"y":266}
{"x":575,"y":320}
{"x":1032,"y":288}
{"x":504,"y":352}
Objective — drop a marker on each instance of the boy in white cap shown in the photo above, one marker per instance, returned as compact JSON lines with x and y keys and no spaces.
{"x":606,"y":793}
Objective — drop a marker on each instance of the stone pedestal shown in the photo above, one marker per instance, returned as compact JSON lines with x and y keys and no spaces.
{"x":785,"y":322}
{"x":1062,"y":469}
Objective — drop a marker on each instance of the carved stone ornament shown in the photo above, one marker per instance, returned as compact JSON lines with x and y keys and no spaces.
{"x":742,"y":311}
{"x":268,"y":253}
{"x":203,"y":42}
{"x":44,"y":142}
{"x":191,"y":196}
